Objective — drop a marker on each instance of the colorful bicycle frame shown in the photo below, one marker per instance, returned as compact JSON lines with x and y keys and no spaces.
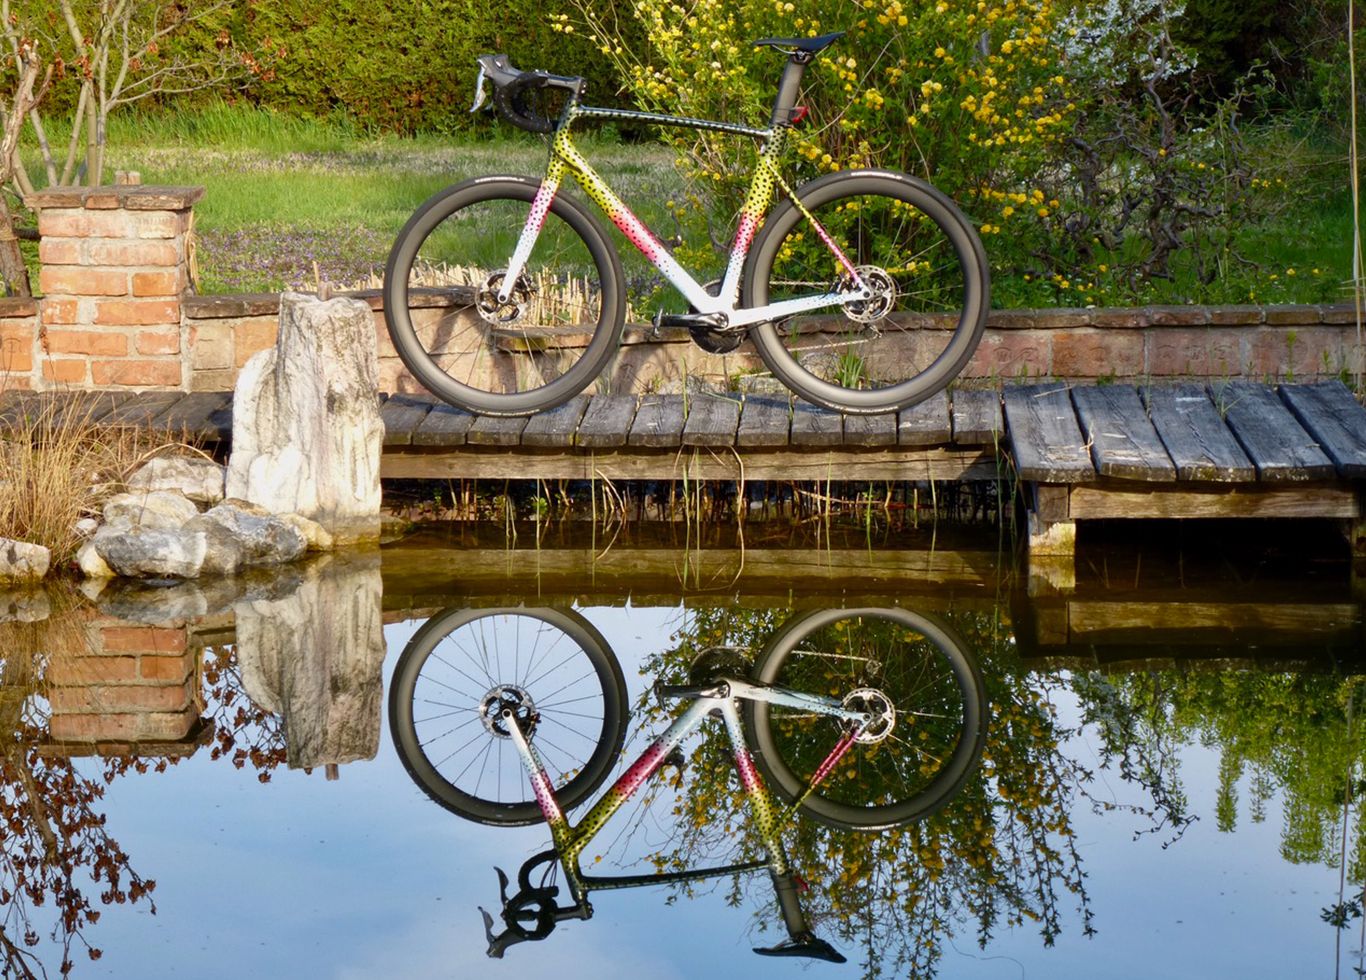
{"x":769,"y":817}
{"x":564,"y":158}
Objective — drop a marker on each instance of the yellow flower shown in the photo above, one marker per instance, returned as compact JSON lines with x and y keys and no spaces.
{"x":939,"y":52}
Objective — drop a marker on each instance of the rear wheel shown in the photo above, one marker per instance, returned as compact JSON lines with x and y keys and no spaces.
{"x":555,"y":333}
{"x":927,"y":273}
{"x":913,"y":673}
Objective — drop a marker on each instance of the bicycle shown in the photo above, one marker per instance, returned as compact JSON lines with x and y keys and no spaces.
{"x":865,"y":291}
{"x":862,"y":719}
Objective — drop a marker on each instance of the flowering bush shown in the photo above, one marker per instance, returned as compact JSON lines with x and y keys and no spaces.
{"x":968,"y":95}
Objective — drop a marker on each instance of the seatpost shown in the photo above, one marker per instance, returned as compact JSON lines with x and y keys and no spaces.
{"x":789,"y":88}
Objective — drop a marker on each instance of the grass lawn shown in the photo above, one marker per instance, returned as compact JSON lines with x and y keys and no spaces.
{"x":289,"y":202}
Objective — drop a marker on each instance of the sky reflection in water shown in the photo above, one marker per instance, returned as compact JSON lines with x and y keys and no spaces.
{"x":364,"y":876}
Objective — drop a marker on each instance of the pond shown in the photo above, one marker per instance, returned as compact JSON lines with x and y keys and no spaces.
{"x":1165,"y":778}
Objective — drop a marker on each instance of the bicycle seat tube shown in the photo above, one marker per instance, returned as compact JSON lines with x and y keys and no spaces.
{"x":789,"y":89}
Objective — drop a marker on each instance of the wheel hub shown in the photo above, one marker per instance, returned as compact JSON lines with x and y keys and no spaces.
{"x":879,"y":708}
{"x":879,"y":304}
{"x":508,"y":698}
{"x":499,"y":313}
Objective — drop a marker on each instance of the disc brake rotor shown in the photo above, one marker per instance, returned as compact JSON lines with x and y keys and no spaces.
{"x":877,"y":306}
{"x":874,"y":703}
{"x":497,"y":313}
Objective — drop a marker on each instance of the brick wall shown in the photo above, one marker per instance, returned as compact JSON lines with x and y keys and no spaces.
{"x":134,"y":690}
{"x":114,"y":267}
{"x":116,"y":313}
{"x":1264,"y":342}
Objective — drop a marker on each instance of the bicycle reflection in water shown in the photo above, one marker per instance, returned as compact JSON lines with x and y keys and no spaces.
{"x":863,"y":719}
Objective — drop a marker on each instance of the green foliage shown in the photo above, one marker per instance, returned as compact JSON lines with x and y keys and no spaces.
{"x":403,"y":66}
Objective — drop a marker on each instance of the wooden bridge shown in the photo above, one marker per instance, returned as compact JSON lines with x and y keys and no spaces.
{"x":1237,"y":449}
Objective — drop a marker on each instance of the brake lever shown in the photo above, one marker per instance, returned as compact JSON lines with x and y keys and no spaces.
{"x":478,"y":92}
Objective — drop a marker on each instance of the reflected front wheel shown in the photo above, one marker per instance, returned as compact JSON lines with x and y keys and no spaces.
{"x":468,"y":675}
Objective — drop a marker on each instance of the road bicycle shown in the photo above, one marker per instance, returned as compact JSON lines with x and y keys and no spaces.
{"x":863,"y":290}
{"x":863,"y":719}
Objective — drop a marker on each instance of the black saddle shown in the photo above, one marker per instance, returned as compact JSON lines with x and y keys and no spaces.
{"x":806,"y":45}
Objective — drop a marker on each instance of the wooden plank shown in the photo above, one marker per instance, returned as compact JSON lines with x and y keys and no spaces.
{"x":976,"y":416}
{"x":1306,"y":620}
{"x":712,"y":420}
{"x":926,"y":424}
{"x":26,"y":408}
{"x":1197,"y":440}
{"x":557,"y":426}
{"x":893,"y":463}
{"x":1045,"y":440}
{"x":444,"y":425}
{"x":607,"y":422}
{"x":658,"y":422}
{"x":495,"y":430}
{"x":813,"y":425}
{"x":141,"y":408}
{"x":1277,"y":444}
{"x":401,"y":414}
{"x":1123,"y":440}
{"x":1120,"y":502}
{"x":201,"y":415}
{"x":765,"y":420}
{"x":85,"y":407}
{"x":1332,"y":416}
{"x":870,"y":430}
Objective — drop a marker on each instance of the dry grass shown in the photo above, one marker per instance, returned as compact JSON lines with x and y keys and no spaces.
{"x":59,"y":466}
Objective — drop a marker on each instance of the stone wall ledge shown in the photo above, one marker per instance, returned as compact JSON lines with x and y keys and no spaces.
{"x":132,"y":197}
{"x":219,"y":306}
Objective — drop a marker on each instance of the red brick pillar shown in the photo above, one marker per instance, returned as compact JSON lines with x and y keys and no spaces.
{"x":115,"y":262}
{"x":135,"y":685}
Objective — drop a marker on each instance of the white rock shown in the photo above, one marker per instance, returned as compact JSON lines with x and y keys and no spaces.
{"x":21,"y":561}
{"x":85,"y":527}
{"x":197,"y":478}
{"x":140,"y":552}
{"x":166,"y":509}
{"x":306,"y":427}
{"x":90,"y":562}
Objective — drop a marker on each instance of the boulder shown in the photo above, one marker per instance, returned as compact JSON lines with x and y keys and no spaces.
{"x":306,"y":431}
{"x":140,"y":552}
{"x":164,"y":509}
{"x":259,"y":537}
{"x":90,"y":563}
{"x":317,"y":536}
{"x":21,"y":561}
{"x":199,"y":479}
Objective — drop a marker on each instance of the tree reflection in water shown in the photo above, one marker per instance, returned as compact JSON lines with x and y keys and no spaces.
{"x":1002,"y":852}
{"x":59,"y":861}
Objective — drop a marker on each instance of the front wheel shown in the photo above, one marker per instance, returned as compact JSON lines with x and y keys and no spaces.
{"x":924,"y":267}
{"x":913,"y":673}
{"x":460,"y":674}
{"x":553,"y":335}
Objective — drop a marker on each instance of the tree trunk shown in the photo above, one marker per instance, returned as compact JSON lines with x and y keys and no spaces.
{"x":13,"y":270}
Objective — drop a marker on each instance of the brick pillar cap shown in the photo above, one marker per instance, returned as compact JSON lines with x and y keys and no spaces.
{"x":131,"y":197}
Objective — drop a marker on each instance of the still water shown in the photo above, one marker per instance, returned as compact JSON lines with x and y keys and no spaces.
{"x":205,"y":779}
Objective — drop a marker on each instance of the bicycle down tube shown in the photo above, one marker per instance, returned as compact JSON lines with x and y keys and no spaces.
{"x":565,"y":157}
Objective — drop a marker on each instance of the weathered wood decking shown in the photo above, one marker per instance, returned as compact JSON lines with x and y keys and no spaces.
{"x":1237,"y":449}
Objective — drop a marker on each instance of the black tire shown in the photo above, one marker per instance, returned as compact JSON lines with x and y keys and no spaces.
{"x":456,"y":662}
{"x":922,"y":666}
{"x":569,"y":324}
{"x":909,"y":344}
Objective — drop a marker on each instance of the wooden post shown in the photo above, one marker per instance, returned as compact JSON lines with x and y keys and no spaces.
{"x":1052,"y":540}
